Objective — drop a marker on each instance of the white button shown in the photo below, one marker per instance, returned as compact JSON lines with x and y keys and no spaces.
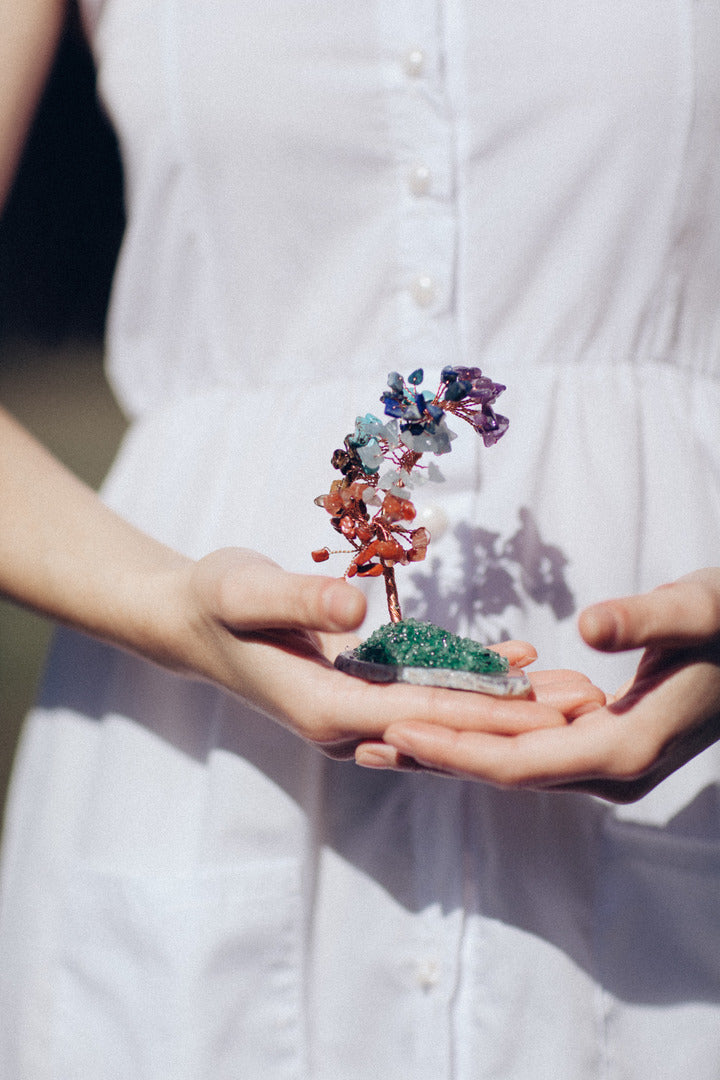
{"x":434,"y":519}
{"x":414,"y":62}
{"x":428,"y":974}
{"x":419,"y":180}
{"x":423,"y":290}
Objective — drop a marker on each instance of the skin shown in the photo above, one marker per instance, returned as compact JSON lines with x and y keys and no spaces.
{"x":239,"y":621}
{"x":667,"y":714}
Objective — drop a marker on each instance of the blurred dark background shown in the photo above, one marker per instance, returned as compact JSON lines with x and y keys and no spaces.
{"x":59,"y":236}
{"x":61,"y":228}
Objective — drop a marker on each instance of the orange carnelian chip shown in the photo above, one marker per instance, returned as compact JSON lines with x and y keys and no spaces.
{"x":394,"y":509}
{"x":389,"y":549}
{"x":372,"y":571}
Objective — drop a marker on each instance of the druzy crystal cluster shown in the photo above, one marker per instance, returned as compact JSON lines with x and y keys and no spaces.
{"x":370,"y":505}
{"x":410,"y":643}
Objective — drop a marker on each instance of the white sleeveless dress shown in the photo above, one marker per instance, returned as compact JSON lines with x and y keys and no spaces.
{"x":317,"y":194}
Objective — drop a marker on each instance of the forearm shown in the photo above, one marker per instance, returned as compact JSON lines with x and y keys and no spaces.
{"x":62,"y":552}
{"x":65,"y":554}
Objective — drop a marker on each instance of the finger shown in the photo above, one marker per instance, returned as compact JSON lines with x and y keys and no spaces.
{"x":540,"y":758}
{"x":517,"y":653}
{"x":683,"y":613}
{"x":461,"y":710}
{"x":568,"y":691}
{"x":263,"y":596}
{"x":378,"y":755}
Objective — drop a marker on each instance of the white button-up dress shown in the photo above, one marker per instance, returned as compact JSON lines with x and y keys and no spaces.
{"x":319,"y":193}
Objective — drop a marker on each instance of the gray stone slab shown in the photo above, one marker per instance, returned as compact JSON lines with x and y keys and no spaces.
{"x":513,"y":683}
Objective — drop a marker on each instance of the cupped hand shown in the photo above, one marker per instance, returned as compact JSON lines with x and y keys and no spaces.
{"x":270,"y":637}
{"x":667,"y":714}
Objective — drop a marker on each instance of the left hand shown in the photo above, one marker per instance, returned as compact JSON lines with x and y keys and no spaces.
{"x":668,"y":713}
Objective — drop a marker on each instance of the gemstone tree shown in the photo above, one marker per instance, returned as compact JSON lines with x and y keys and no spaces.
{"x":380,"y":465}
{"x":371,"y":507}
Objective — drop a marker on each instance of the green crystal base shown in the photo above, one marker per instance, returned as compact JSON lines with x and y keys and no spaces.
{"x":425,"y":654}
{"x":411,"y":643}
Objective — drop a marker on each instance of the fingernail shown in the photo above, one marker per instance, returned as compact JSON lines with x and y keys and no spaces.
{"x":600,"y":626}
{"x":343,"y":605}
{"x":375,"y":758}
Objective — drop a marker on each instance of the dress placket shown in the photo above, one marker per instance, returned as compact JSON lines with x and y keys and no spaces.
{"x":423,"y":133}
{"x":424,"y":137}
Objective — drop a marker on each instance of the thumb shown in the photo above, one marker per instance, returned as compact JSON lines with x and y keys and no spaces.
{"x":686,"y":612}
{"x":255,"y":594}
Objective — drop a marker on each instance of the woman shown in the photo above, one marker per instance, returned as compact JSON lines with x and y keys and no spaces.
{"x":316,"y":196}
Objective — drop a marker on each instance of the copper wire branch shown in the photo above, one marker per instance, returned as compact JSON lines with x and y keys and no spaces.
{"x":393,"y":601}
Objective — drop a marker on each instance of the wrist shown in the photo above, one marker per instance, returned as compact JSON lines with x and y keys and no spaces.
{"x":150,"y":613}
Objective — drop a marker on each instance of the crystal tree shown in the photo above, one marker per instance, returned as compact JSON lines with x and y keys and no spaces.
{"x":370,"y":505}
{"x":381,"y":463}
